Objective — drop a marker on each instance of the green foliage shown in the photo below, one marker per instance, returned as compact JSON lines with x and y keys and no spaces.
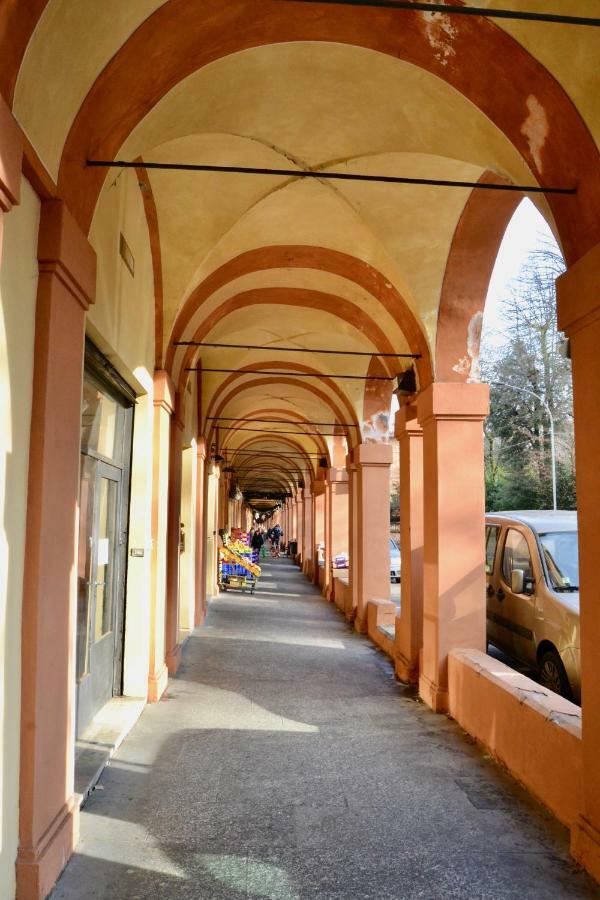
{"x":529,"y":380}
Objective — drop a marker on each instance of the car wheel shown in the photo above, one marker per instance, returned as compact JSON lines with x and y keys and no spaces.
{"x":553,"y":675}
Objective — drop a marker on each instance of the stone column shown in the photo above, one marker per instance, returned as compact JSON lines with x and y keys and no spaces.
{"x":409,"y":625}
{"x":337,"y":531}
{"x":579,"y":318}
{"x":452,"y":416}
{"x":48,"y":809}
{"x":200,"y":549}
{"x":173,"y":647}
{"x":371,"y":567}
{"x":164,"y":405}
{"x":307,"y":542}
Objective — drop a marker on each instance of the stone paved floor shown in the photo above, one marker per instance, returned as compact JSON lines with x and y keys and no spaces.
{"x":285,"y":763}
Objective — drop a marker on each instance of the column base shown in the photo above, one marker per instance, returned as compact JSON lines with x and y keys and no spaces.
{"x":433,"y":695}
{"x":157,"y":684}
{"x":38,"y":868}
{"x":361,"y":625}
{"x":350,"y":612}
{"x":406,"y":670}
{"x":585,"y":846}
{"x":173,"y":659}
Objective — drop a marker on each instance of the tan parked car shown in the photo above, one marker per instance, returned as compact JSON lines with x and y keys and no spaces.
{"x":532,"y":566}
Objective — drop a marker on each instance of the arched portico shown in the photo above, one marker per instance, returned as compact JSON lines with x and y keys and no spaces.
{"x":300,"y":300}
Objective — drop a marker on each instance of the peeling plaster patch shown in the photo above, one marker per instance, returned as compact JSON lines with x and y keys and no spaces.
{"x":440,"y":32}
{"x":536,"y":128}
{"x":469,"y":365}
{"x":376,"y":429}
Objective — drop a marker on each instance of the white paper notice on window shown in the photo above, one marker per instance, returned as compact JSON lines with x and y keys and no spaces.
{"x":103,"y":552}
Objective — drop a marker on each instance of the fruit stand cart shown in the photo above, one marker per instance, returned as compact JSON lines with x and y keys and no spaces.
{"x":238,"y":567}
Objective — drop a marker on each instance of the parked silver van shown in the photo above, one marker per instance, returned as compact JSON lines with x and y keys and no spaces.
{"x":532,"y":566}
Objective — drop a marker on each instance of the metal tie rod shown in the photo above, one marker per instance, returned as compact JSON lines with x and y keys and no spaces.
{"x":295,"y":374}
{"x":281,"y":421}
{"x":337,"y":176}
{"x":297,"y":350}
{"x":422,"y":6}
{"x":309,"y":434}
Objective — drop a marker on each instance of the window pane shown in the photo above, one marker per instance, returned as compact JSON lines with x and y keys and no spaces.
{"x":491,"y":541}
{"x":102,"y":422}
{"x":516,"y":556}
{"x":84,"y":563}
{"x":103,"y":613}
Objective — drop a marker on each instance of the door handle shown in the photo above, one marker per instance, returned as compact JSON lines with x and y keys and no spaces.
{"x":500,"y":594}
{"x":490,"y":590}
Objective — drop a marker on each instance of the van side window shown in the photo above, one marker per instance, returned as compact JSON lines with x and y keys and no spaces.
{"x":516,"y":556}
{"x":491,"y":542}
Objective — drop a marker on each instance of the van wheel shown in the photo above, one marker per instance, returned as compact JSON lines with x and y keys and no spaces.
{"x":553,"y":675}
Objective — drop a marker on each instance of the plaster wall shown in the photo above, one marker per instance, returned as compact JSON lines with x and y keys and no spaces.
{"x":18,"y":290}
{"x":187,"y":562}
{"x":139,"y":582}
{"x":531,"y":731}
{"x":121,"y":323}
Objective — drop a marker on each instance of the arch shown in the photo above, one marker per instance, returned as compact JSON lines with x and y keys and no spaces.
{"x":377,"y":404}
{"x":258,"y":382}
{"x":308,"y":257}
{"x":469,"y":267}
{"x":234,"y":429}
{"x":292,"y":367}
{"x":479,"y":53}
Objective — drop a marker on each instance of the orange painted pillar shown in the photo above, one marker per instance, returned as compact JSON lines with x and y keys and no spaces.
{"x":336,"y":522}
{"x":173,"y":647}
{"x":48,"y":810}
{"x":307,"y":555}
{"x":409,"y":624}
{"x":371,"y":567}
{"x":318,"y":525}
{"x":326,"y":579}
{"x":300,"y":524}
{"x":337,"y":532}
{"x":164,"y":405}
{"x":579,"y":318}
{"x":11,"y":155}
{"x":295,"y":533}
{"x":452,"y":418}
{"x":352,"y":537}
{"x":201,"y":602}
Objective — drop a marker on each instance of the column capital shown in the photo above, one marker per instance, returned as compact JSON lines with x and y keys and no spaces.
{"x":375,"y":454}
{"x":64,"y":251}
{"x":11,"y":156}
{"x":453,"y":401}
{"x":406,"y":423}
{"x":164,"y":391}
{"x":335,"y":475}
{"x":307,"y":493}
{"x":578,"y":293}
{"x":201,"y":447}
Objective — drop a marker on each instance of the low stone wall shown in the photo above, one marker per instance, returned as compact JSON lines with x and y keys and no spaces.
{"x":536,"y":734}
{"x":381,"y":625}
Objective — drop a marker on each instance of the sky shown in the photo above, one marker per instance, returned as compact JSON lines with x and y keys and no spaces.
{"x":527,"y":230}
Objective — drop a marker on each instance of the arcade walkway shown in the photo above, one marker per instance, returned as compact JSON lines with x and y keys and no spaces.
{"x":286,"y":762}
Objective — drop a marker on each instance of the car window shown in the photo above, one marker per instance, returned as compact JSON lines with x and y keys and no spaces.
{"x":516,"y":556}
{"x":491,"y":542}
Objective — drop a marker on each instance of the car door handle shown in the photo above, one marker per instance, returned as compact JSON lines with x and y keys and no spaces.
{"x":500,"y":594}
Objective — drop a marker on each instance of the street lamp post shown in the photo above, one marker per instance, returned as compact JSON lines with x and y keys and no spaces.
{"x":551,"y":417}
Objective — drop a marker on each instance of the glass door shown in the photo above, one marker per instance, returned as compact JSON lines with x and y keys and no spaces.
{"x":102,"y":556}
